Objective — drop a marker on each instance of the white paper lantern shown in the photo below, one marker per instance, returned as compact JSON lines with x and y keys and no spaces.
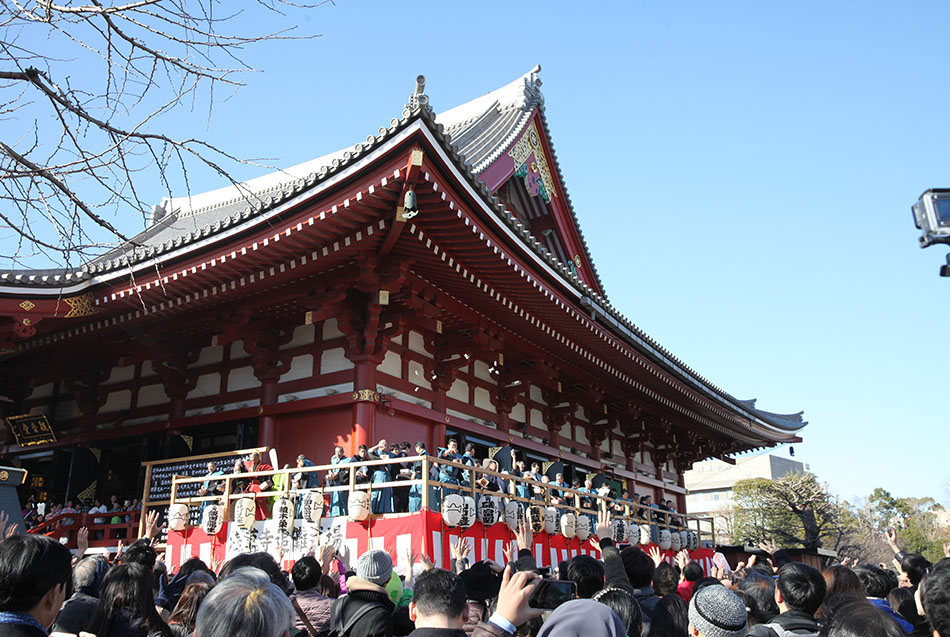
{"x":645,"y":536}
{"x":283,"y":515}
{"x":212,"y":519}
{"x":357,"y":506}
{"x":487,"y":510}
{"x":693,"y":541}
{"x":535,"y":518}
{"x":568,"y":525}
{"x":452,"y":509}
{"x":244,"y":512}
{"x":514,"y":513}
{"x":633,"y":533}
{"x":311,"y":510}
{"x":468,"y":512}
{"x":177,"y":516}
{"x":582,"y":528}
{"x":618,"y":531}
{"x":675,"y":542}
{"x":665,"y":540}
{"x":550,"y":520}
{"x":684,"y":539}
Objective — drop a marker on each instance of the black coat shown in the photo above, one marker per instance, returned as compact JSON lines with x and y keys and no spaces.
{"x":20,"y":630}
{"x":376,"y":622}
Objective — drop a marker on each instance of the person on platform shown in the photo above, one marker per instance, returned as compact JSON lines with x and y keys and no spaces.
{"x":338,"y":478}
{"x":415,"y":491}
{"x":449,"y":474}
{"x":401,"y":493}
{"x":495,"y":484}
{"x":362,"y":473}
{"x":557,"y":494}
{"x":469,"y":459}
{"x":34,"y":578}
{"x":308,"y":480}
{"x":258,"y":484}
{"x":518,"y":470}
{"x":381,"y":498}
{"x":211,"y":486}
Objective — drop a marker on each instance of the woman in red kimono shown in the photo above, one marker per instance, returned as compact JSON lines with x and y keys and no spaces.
{"x":256,"y":485}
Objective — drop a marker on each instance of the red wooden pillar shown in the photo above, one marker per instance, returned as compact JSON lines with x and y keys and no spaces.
{"x":364,"y":411}
{"x":267,"y":425}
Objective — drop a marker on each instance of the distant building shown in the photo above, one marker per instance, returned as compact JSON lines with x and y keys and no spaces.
{"x":709,"y":485}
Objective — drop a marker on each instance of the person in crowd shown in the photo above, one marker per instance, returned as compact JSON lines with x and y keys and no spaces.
{"x":582,"y":617}
{"x":127,"y":604}
{"x":670,"y":617}
{"x":665,"y":579}
{"x":616,"y":591}
{"x":366,"y":610}
{"x":185,"y":614}
{"x":640,"y":568}
{"x":587,"y":573}
{"x":415,"y":491}
{"x":715,"y":611}
{"x":382,"y":498}
{"x":761,"y":598}
{"x":438,"y":607}
{"x":35,"y":572}
{"x":258,"y":484}
{"x":338,"y":478}
{"x":799,"y":592}
{"x":260,"y":560}
{"x":449,"y":474}
{"x":692,"y":573}
{"x":245,"y":604}
{"x":88,"y":575}
{"x":901,"y":601}
{"x":876,"y":587}
{"x":934,"y":594}
{"x":913,"y":565}
{"x":857,"y":618}
{"x":311,"y":606}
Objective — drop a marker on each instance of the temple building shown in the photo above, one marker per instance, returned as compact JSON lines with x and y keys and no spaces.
{"x":430,"y":281}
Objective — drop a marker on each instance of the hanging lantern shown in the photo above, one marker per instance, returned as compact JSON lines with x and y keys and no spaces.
{"x":357,"y":506}
{"x":283,"y":514}
{"x":582,"y":528}
{"x":618,"y":531}
{"x":633,"y":533}
{"x":514,"y":513}
{"x":535,"y":518}
{"x":693,"y":541}
{"x":212,"y":519}
{"x":487,"y":510}
{"x":452,"y":507}
{"x":684,"y":539}
{"x":244,"y":511}
{"x":177,"y":516}
{"x":645,"y":536}
{"x":468,"y":512}
{"x":665,"y":540}
{"x":568,"y":525}
{"x":550,"y":520}
{"x":311,"y":510}
{"x":675,"y":542}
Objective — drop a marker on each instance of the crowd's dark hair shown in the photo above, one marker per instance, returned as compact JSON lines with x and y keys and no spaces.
{"x":802,"y":587}
{"x":31,"y":566}
{"x":186,"y":610}
{"x":329,"y":586}
{"x":915,"y":565}
{"x":760,"y":568}
{"x":936,"y":597}
{"x":258,"y":560}
{"x":665,"y":579}
{"x":692,"y":572}
{"x":451,"y":440}
{"x":306,"y":573}
{"x":140,"y":552}
{"x":193,"y":565}
{"x":421,"y":444}
{"x":703,"y":582}
{"x":587,"y":573}
{"x":670,"y":618}
{"x":873,"y":579}
{"x":439,"y":592}
{"x":128,"y":588}
{"x":901,"y":601}
{"x":860,"y":618}
{"x":638,"y":565}
{"x":841,"y":579}
{"x":762,"y":593}
{"x":626,"y":606}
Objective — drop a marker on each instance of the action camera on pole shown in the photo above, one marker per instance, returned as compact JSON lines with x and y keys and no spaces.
{"x":932,"y":218}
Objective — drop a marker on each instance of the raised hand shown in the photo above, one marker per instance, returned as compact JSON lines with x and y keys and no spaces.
{"x":152,"y":530}
{"x":82,"y":542}
{"x":523,"y":535}
{"x":602,"y":529}
{"x":655,"y":555}
{"x":682,"y":559}
{"x":769,"y":546}
{"x":509,"y":552}
{"x":461,"y":550}
{"x":514,"y":595}
{"x":890,"y":534}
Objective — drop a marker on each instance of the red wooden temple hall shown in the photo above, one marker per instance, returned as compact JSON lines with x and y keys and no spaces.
{"x":429,"y":281}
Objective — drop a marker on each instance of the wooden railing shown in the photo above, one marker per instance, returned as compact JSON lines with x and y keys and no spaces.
{"x":549,"y":494}
{"x":63,"y":528}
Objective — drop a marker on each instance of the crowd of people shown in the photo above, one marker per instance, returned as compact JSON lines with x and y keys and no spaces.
{"x":115,"y":510}
{"x":627,"y":593}
{"x":398,"y":499}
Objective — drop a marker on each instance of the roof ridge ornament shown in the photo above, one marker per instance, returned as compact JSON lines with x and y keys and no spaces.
{"x":532,"y":88}
{"x":418,"y":100}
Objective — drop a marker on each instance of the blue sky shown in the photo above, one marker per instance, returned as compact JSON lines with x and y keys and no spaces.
{"x":742,"y":172}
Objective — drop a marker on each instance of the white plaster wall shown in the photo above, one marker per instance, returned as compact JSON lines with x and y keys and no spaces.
{"x":518,"y":414}
{"x":417,"y":375}
{"x":121,"y":374}
{"x":147,"y":369}
{"x":334,"y":360}
{"x":579,"y":414}
{"x":581,"y":434}
{"x":483,"y":399}
{"x":417,"y":343}
{"x":66,"y":410}
{"x":42,"y":391}
{"x":481,"y":372}
{"x":206,"y":385}
{"x":300,"y":367}
{"x":303,"y":335}
{"x":208,"y":356}
{"x":151,"y":395}
{"x":242,"y":378}
{"x":536,"y":394}
{"x":458,"y":391}
{"x":392,"y":364}
{"x":330,"y":329}
{"x":238,"y":351}
{"x":397,"y":339}
{"x":117,"y":401}
{"x":537,"y":419}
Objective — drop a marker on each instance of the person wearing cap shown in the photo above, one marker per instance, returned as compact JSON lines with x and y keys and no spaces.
{"x":715,"y":611}
{"x":366,"y":610}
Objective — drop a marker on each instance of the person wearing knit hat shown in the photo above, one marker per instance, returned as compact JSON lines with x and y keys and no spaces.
{"x":375,"y":567}
{"x":715,"y":611}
